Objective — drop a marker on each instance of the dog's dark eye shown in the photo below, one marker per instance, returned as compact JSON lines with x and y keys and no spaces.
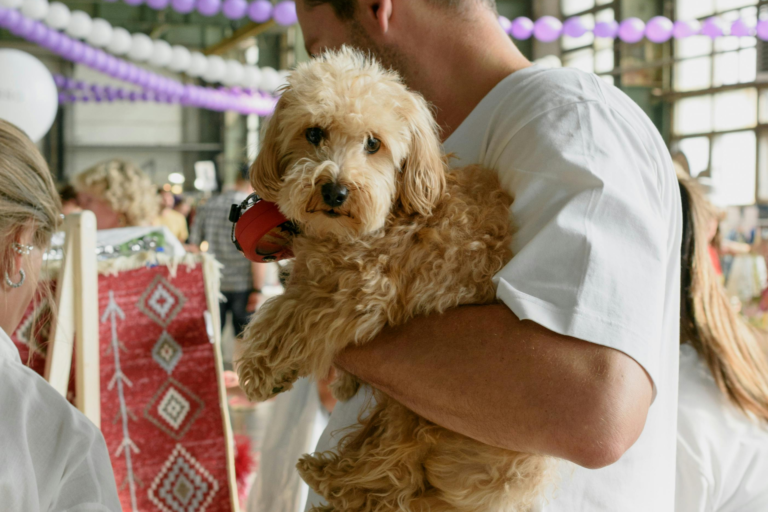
{"x":372,"y":145}
{"x":314,"y":135}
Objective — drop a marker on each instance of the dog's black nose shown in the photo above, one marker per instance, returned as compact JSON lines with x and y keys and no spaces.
{"x":334,"y":194}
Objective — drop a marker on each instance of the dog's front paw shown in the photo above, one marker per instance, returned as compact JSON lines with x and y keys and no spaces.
{"x":261,"y":382}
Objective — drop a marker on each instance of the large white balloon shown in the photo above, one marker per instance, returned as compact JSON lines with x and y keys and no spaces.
{"x":180,"y":59}
{"x":233,"y":74}
{"x":80,"y":25}
{"x":198,"y":64}
{"x":251,"y":77}
{"x":121,"y":41}
{"x":58,"y":16}
{"x":161,"y":53}
{"x":35,"y":9}
{"x":101,"y":33}
{"x":11,"y":4}
{"x":215,"y":70}
{"x":28,"y":95}
{"x":141,"y":47}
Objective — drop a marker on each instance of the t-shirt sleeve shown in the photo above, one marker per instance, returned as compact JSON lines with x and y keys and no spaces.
{"x":88,"y":484}
{"x":592,"y":246}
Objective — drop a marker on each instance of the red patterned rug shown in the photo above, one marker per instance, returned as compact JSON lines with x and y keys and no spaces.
{"x":161,"y":411}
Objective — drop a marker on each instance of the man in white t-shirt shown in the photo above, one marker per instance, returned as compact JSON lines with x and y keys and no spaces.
{"x":580,"y":360}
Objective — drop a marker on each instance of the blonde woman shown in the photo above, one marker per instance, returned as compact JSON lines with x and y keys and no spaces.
{"x":119,"y":194}
{"x":51,"y":457}
{"x":722,"y":449}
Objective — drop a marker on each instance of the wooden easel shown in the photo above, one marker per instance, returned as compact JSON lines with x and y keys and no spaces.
{"x":77,"y":298}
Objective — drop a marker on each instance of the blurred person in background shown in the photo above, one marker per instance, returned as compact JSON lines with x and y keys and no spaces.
{"x":52,"y":458}
{"x":118,"y":193}
{"x":722,"y":449}
{"x":241,"y":280}
{"x":69,"y":204}
{"x":170,"y":218}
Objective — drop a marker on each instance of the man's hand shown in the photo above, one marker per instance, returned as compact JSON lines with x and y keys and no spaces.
{"x":481,"y":372}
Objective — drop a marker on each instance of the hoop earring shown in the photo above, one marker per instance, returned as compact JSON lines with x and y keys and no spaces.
{"x":21,"y":281}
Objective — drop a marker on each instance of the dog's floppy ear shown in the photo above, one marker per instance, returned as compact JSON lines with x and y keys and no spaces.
{"x":423,"y":179}
{"x":267,"y":171}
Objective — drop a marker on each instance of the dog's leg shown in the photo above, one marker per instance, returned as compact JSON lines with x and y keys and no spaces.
{"x":377,"y":467}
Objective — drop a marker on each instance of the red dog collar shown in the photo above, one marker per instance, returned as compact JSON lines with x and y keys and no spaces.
{"x":260,"y":231}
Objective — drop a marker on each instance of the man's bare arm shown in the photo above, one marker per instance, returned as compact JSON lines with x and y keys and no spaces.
{"x":480,"y":371}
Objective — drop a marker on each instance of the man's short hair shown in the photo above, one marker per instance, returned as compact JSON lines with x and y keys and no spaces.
{"x":345,"y":9}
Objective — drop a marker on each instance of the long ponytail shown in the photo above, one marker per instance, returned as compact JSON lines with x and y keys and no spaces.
{"x":730,"y":347}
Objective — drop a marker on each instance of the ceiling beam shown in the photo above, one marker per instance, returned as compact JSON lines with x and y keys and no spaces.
{"x":248,"y":31}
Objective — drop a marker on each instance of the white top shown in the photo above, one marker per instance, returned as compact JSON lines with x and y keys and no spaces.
{"x":722,"y":454}
{"x":52,"y":458}
{"x":597,"y":252}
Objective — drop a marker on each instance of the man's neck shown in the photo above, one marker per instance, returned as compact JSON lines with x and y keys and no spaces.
{"x":455,"y":71}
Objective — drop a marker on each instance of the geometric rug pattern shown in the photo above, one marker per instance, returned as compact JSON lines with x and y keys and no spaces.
{"x":161,"y":414}
{"x":162,"y":418}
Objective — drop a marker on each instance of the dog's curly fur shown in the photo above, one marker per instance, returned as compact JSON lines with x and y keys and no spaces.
{"x":411,"y":239}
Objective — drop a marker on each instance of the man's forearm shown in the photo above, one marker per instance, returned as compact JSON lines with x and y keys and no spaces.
{"x":258,"y":271}
{"x":480,"y":371}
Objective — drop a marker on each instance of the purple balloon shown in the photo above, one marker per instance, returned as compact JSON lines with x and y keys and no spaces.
{"x":632,"y":30}
{"x":132,"y":96}
{"x":209,"y":7}
{"x":183,"y":6}
{"x":686,"y":28}
{"x":24,"y":27}
{"x":260,"y":11}
{"x":158,"y":5}
{"x":77,"y":51}
{"x":742,"y":28}
{"x":285,"y":13}
{"x":63,"y":97}
{"x":39,"y":33}
{"x":89,"y":56}
{"x":99,"y":60}
{"x":522,"y":28}
{"x":659,"y":29}
{"x":65,"y":46}
{"x":574,"y":27}
{"x":607,"y":29}
{"x":12,"y":19}
{"x":234,"y":9}
{"x":547,"y":29}
{"x":762,"y":30}
{"x":60,"y":81}
{"x":713,"y":27}
{"x":3,"y":13}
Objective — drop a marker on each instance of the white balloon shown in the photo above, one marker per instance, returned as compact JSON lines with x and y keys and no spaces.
{"x":233,"y":74}
{"x":58,"y":16}
{"x":79,"y":25}
{"x":101,"y":33}
{"x":121,"y":41}
{"x":29,"y":98}
{"x":180,"y":59}
{"x":141,"y":47}
{"x":198,"y":64}
{"x":35,"y":9}
{"x":251,"y":77}
{"x":215,"y":70}
{"x":161,"y":53}
{"x":270,"y":80}
{"x":11,"y":4}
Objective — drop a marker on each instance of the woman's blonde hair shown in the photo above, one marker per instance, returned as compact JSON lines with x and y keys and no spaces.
{"x":730,"y":347}
{"x":125,"y":187}
{"x":28,"y":195}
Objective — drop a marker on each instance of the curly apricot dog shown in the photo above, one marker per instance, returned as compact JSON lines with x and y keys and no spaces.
{"x":387,"y":233}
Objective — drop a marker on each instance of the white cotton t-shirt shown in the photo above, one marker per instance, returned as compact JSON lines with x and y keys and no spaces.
{"x":722,"y":454}
{"x":597,"y":254}
{"x":52,"y":458}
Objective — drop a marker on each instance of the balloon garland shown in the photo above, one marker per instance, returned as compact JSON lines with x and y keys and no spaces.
{"x":236,"y":99}
{"x":259,"y":11}
{"x":141,"y":48}
{"x":632,"y":30}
